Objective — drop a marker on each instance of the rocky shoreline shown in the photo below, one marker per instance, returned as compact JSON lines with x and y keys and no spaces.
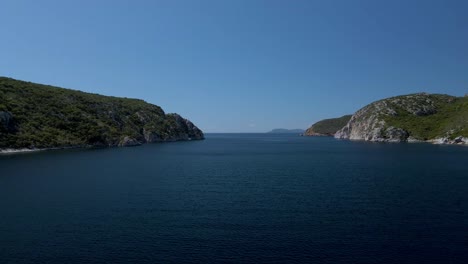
{"x":438,"y":141}
{"x":126,"y":142}
{"x":456,"y":141}
{"x":15,"y":151}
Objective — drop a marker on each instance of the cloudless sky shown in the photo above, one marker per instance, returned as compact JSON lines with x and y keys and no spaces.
{"x":240,"y":65}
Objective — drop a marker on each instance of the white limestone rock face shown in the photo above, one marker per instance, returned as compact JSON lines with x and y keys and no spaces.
{"x":369,"y":123}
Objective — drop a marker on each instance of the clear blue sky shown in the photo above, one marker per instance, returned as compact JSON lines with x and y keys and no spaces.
{"x":240,"y":66}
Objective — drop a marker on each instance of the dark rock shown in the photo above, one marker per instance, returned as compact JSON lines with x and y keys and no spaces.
{"x":7,"y":122}
{"x":460,"y":140}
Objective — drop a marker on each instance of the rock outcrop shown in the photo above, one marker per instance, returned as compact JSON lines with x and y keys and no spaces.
{"x":415,"y":117}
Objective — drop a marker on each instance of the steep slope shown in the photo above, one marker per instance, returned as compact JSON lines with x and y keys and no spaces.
{"x":414,"y":117}
{"x":41,"y":116}
{"x":327,"y":127}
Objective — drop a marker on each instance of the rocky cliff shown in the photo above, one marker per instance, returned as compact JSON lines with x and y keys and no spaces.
{"x":327,"y":127}
{"x":414,"y":117}
{"x":35,"y":116}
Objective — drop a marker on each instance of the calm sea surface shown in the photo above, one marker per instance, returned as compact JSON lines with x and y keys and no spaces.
{"x":237,"y":198}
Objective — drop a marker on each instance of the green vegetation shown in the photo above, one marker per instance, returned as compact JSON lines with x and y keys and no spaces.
{"x":41,"y":116}
{"x":448,"y":118}
{"x":328,"y":126}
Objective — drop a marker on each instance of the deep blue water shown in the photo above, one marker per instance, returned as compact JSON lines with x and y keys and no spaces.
{"x":237,"y":198}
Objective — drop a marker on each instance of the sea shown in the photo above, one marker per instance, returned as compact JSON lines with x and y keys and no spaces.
{"x":237,"y":198}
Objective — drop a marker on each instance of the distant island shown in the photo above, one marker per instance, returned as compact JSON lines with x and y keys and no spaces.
{"x":35,"y":116}
{"x":422,"y":117}
{"x":286,"y":131}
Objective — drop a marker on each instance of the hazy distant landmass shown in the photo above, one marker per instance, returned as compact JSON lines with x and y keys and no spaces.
{"x":35,"y":116}
{"x":286,"y":131}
